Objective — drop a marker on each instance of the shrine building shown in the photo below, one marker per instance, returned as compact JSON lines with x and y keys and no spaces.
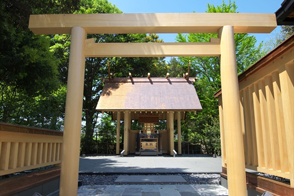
{"x":149,"y":100}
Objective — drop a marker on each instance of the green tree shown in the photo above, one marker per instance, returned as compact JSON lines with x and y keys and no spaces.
{"x":278,"y":37}
{"x":287,"y":31}
{"x":207,"y":70}
{"x":107,"y":129}
{"x":29,"y":85}
{"x":177,"y":68}
{"x":17,"y":12}
{"x":28,"y":69}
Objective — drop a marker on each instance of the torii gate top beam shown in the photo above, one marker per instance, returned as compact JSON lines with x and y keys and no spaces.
{"x":152,"y":23}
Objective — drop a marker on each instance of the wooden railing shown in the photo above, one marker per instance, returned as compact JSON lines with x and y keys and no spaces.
{"x":267,"y":112}
{"x":25,"y":148}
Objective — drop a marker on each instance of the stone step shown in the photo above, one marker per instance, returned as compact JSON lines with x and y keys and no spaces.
{"x":149,"y":179}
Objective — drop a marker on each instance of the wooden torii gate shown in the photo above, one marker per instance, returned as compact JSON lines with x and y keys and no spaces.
{"x":225,"y":24}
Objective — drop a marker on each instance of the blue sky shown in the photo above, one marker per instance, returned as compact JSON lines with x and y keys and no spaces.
{"x":199,"y":6}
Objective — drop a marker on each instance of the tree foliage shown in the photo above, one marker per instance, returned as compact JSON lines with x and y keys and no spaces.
{"x":17,"y":12}
{"x":28,"y":73}
{"x":277,"y":38}
{"x":287,"y":31}
{"x":207,"y":70}
{"x":31,"y":93}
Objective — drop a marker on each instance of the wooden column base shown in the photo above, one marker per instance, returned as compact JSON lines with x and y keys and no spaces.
{"x":262,"y":184}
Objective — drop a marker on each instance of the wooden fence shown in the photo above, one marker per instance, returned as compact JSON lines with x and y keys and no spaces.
{"x":25,"y":148}
{"x":267,"y":112}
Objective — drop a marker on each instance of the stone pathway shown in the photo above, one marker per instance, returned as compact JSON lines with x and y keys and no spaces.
{"x":152,"y":190}
{"x":149,"y":179}
{"x":201,"y":173}
{"x":149,"y":165}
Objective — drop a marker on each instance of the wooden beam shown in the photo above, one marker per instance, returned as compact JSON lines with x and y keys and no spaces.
{"x":151,"y":49}
{"x":152,"y":23}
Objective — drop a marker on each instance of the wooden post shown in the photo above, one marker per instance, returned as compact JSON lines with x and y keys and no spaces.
{"x":73,"y":114}
{"x":167,"y":132}
{"x":117,"y":132}
{"x":273,"y":135}
{"x":232,"y":116}
{"x":126,"y":131}
{"x":222,"y":134}
{"x":179,"y":133}
{"x":171,"y":132}
{"x":189,"y":70}
{"x":108,"y":70}
{"x":280,"y":123}
{"x":130,"y":127}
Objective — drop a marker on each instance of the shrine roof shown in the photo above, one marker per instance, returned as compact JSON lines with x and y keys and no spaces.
{"x":153,"y":94}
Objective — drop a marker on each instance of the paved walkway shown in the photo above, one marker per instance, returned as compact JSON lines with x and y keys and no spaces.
{"x":152,"y":190}
{"x":145,"y":179}
{"x":150,"y":164}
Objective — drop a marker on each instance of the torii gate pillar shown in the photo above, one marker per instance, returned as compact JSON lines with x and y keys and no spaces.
{"x":73,"y":114}
{"x":232,"y":118}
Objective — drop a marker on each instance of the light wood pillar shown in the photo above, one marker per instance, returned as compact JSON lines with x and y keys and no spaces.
{"x":126,"y":131}
{"x":272,"y":121}
{"x":280,"y":123}
{"x":167,"y":132}
{"x":130,"y":128}
{"x":179,"y":133}
{"x":232,"y":116}
{"x":286,"y":74}
{"x":222,"y":135}
{"x":73,"y":114}
{"x":117,"y":132}
{"x":171,"y":132}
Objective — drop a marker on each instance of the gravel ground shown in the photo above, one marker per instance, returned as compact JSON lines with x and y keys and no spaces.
{"x":274,"y":177}
{"x":98,"y":179}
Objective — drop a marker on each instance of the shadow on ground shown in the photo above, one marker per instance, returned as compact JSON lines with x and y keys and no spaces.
{"x":150,"y":164}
